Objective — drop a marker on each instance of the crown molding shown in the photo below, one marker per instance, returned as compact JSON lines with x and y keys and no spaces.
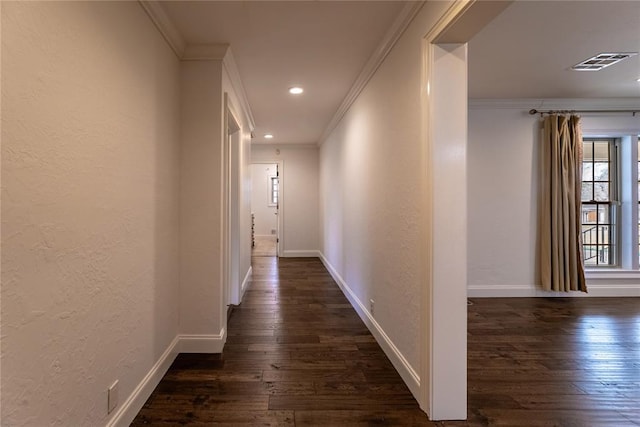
{"x":396,"y":30}
{"x":554,"y":103}
{"x":205,"y":52}
{"x":231,"y":68}
{"x":287,"y":145}
{"x":164,"y":25}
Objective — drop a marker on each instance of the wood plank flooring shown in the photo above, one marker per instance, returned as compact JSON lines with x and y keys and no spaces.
{"x":554,"y":362}
{"x":298,"y":355}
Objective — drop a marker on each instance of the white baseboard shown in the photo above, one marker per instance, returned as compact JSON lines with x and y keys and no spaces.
{"x":408,"y":374}
{"x":301,"y":254}
{"x":245,"y":282}
{"x":130,"y":407}
{"x":213,"y":343}
{"x":181,"y":344}
{"x":520,"y":291}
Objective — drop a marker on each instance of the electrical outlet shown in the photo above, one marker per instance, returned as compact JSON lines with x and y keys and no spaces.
{"x":112,"y":397}
{"x":371,"y":306}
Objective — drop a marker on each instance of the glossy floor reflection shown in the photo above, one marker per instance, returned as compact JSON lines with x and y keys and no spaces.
{"x":298,"y":354}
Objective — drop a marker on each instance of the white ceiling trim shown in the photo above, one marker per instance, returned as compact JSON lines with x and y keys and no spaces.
{"x":165,"y":26}
{"x":556,"y":103}
{"x":205,"y":52}
{"x":222,"y":52}
{"x":230,"y":66}
{"x":396,"y":30}
{"x":199,"y":52}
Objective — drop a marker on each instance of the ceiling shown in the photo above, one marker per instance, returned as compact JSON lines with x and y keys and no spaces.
{"x":525,"y":52}
{"x":319,"y":45}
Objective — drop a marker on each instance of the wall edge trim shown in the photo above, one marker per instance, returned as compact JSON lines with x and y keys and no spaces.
{"x":164,"y":25}
{"x":408,"y":374}
{"x":552,"y":103}
{"x":231,"y":67}
{"x":314,"y":253}
{"x":203,"y":343}
{"x":132,"y":405}
{"x":205,"y":52}
{"x":528,"y":291}
{"x":245,"y":282}
{"x":390,"y":39}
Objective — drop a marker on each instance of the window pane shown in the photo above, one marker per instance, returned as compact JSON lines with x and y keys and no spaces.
{"x":590,"y":253}
{"x":589,"y":214}
{"x":587,"y":171}
{"x":587,"y":151}
{"x":603,"y":214}
{"x":601,"y":151}
{"x":589,"y":235}
{"x":601,"y":191}
{"x":587,"y":191}
{"x":601,"y":171}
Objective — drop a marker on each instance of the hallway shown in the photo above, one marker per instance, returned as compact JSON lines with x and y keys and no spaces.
{"x":296,"y":354}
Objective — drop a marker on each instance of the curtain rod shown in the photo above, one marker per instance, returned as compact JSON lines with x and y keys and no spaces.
{"x":534,"y":111}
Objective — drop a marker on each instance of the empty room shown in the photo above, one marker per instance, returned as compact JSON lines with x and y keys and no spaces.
{"x":332,"y":213}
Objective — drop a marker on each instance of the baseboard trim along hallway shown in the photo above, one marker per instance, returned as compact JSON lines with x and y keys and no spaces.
{"x":408,"y":374}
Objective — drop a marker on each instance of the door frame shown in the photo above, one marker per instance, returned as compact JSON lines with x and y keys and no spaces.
{"x":444,"y":93}
{"x":231,"y":292}
{"x":280,"y":208}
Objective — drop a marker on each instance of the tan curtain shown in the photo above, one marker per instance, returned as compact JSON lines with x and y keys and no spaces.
{"x":560,"y":246}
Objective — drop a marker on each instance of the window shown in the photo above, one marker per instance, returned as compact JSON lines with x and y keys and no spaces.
{"x":610,"y":216}
{"x":599,"y":202}
{"x":274,"y":190}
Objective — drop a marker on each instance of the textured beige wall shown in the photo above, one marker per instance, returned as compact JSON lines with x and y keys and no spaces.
{"x":299,"y":186}
{"x":372,"y":219}
{"x":90,"y":173}
{"x":201,"y":195}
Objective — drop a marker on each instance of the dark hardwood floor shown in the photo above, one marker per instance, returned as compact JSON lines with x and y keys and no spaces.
{"x":297,"y":354}
{"x":554,"y":362}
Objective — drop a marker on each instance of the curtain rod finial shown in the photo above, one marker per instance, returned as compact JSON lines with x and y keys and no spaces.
{"x":533,"y":111}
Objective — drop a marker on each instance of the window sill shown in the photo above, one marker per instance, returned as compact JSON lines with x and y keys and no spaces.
{"x":611,"y":273}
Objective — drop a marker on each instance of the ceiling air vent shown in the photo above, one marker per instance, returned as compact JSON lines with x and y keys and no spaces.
{"x":602,"y":60}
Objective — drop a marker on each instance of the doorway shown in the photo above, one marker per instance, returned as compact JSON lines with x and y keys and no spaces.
{"x":265,"y":209}
{"x":232,"y":291}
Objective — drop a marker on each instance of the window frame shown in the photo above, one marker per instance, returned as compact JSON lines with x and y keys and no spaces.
{"x":273,"y":184}
{"x":612,"y":205}
{"x":627,"y":206}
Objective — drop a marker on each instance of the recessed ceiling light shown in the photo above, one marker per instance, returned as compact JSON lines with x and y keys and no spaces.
{"x":268,"y":136}
{"x":602,"y":60}
{"x":296,"y":90}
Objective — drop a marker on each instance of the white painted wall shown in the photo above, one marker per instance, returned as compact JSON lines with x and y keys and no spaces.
{"x":201,"y":198}
{"x":373,"y":220}
{"x":265,"y":215}
{"x":90,"y":173}
{"x":448,"y":279}
{"x":204,"y":290}
{"x":502,"y":196}
{"x":299,"y":206}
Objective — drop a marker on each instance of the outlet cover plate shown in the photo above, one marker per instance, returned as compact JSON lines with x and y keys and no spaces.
{"x":112,"y":397}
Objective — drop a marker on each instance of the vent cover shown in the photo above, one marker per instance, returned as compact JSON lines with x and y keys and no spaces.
{"x":602,"y":60}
